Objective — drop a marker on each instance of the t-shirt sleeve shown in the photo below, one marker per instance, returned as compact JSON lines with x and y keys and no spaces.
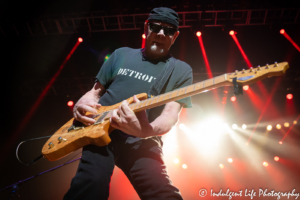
{"x":185,"y":80}
{"x":106,"y":73}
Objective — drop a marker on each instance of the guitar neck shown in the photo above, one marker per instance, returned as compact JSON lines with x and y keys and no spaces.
{"x":180,"y":93}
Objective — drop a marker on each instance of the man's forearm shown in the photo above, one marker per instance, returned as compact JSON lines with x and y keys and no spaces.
{"x":164,"y":123}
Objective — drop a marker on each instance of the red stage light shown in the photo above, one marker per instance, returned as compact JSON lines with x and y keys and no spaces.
{"x":221,"y":166}
{"x":230,"y":160}
{"x":231,"y":32}
{"x":70,"y":103}
{"x":276,"y":158}
{"x":80,"y":39}
{"x":246,"y":87}
{"x":282,"y":31}
{"x":280,"y":142}
{"x":289,"y":96}
{"x":265,"y":164}
{"x":198,"y":33}
{"x":144,"y":36}
{"x":233,"y":98}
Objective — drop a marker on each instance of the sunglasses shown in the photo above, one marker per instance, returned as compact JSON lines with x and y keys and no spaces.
{"x":170,"y":31}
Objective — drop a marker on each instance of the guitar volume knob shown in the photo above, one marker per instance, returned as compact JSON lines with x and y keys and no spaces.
{"x":51,"y":145}
{"x":60,"y":139}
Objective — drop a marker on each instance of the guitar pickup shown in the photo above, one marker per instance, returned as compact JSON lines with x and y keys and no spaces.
{"x":76,"y":126}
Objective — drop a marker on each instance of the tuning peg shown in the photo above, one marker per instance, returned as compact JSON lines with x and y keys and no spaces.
{"x":276,"y":65}
{"x":251,"y":69}
{"x":258,"y":67}
{"x":236,"y":72}
{"x":244,"y":71}
{"x":267,"y":66}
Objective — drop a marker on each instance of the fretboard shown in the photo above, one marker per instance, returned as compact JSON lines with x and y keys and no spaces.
{"x":180,"y":93}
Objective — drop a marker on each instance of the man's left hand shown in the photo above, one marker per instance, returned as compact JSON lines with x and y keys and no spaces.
{"x":136,"y":124}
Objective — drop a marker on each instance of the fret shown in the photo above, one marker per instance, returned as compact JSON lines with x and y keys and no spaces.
{"x":164,"y":96}
{"x":143,"y":103}
{"x":203,"y":84}
{"x":160,"y":98}
{"x":194,"y":87}
{"x":185,"y":90}
{"x":177,"y":92}
{"x":138,"y":105}
{"x":147,"y":102}
{"x":168,"y":95}
{"x":152,"y":100}
{"x":213,"y":81}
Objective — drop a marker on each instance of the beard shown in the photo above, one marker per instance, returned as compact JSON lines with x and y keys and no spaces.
{"x":156,"y":49}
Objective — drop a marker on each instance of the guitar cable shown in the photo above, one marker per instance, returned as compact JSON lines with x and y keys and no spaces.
{"x":34,"y":160}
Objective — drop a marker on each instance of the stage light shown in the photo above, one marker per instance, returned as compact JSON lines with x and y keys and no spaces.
{"x":289,"y":96}
{"x":286,"y":124}
{"x":182,"y":126}
{"x":106,"y":57}
{"x":280,"y":142}
{"x":282,"y":31}
{"x":265,"y":164}
{"x":221,"y":166}
{"x":278,"y":126}
{"x":70,"y":103}
{"x":144,"y":36}
{"x":198,"y":33}
{"x":184,"y":166}
{"x":231,"y":32}
{"x":269,"y":127}
{"x":176,"y":160}
{"x":244,"y":126}
{"x":230,"y":160}
{"x":233,"y":98}
{"x":294,"y":122}
{"x":276,"y":158}
{"x":80,"y":39}
{"x":234,"y":126}
{"x":246,"y":87}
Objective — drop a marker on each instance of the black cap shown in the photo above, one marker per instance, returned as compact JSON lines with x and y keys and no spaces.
{"x":166,"y":15}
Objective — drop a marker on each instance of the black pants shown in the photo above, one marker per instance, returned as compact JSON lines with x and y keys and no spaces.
{"x":141,"y":161}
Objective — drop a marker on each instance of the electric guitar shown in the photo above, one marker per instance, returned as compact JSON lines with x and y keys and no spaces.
{"x":74,"y":135}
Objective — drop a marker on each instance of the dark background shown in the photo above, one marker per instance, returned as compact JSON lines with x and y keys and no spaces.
{"x":33,"y":60}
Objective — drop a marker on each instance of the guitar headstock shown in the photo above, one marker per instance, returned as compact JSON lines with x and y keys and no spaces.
{"x":249,"y":76}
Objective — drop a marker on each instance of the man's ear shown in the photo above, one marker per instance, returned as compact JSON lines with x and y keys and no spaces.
{"x":175,"y":36}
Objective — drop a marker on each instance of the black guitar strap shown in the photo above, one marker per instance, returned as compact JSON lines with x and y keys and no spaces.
{"x":161,"y":80}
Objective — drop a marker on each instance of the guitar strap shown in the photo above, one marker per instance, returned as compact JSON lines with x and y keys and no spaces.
{"x":161,"y":80}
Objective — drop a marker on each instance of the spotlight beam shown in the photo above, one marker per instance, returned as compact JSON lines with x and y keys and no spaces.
{"x":241,"y":50}
{"x":291,"y":40}
{"x":265,"y":107}
{"x":207,"y":66}
{"x":37,"y":103}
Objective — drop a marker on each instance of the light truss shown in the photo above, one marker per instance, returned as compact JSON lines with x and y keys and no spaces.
{"x":96,"y":22}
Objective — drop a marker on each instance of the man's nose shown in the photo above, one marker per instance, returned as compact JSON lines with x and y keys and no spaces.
{"x":161,"y":32}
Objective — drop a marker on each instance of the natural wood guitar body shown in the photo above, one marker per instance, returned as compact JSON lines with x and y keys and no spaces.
{"x":75,"y":139}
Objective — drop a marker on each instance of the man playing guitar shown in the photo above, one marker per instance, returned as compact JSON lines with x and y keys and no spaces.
{"x":136,"y":146}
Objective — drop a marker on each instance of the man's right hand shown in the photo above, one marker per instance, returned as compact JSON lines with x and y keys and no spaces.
{"x":81,"y":107}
